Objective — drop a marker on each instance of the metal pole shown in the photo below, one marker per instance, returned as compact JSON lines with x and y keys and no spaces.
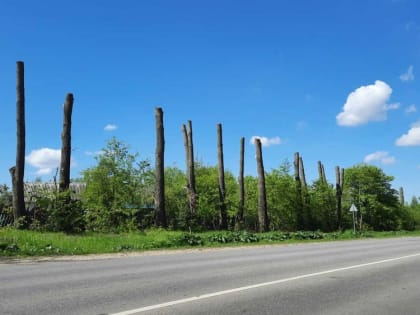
{"x":354,"y":224}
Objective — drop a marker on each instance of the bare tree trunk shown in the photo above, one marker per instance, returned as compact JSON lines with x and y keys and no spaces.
{"x":18,"y":170}
{"x":339,"y":176}
{"x":64,"y":182}
{"x":189,"y":152}
{"x":262,"y":197}
{"x":160,"y":212}
{"x":241,"y":182}
{"x":302,"y":174}
{"x":299,"y":207}
{"x":321,"y":173}
{"x":222,"y":186}
{"x":307,"y":215}
{"x":402,"y":201}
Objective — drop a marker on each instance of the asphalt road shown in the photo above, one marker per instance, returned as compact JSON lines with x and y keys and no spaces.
{"x":351,"y":277}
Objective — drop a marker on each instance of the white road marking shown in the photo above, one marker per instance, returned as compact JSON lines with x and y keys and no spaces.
{"x":258,"y":285}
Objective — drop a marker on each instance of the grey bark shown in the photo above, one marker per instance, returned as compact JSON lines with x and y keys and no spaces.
{"x":64,"y":181}
{"x":189,"y":152}
{"x":306,"y":202}
{"x":17,"y":172}
{"x":222,"y":186}
{"x":339,"y":176}
{"x":402,"y":201}
{"x":241,"y":181}
{"x":262,"y":197}
{"x":299,"y":204}
{"x":321,"y":173}
{"x":302,"y":174}
{"x":160,"y":211}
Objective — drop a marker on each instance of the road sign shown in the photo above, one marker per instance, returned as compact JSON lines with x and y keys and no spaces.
{"x":353,"y":208}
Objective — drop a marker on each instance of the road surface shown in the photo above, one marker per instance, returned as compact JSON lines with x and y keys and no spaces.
{"x":345,"y":277}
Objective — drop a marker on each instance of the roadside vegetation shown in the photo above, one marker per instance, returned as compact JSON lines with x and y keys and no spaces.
{"x":114,"y":211}
{"x":24,"y":243}
{"x":124,"y":203}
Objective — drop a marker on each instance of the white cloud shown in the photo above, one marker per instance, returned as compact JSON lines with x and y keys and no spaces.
{"x":411,"y":138}
{"x":110,"y":127}
{"x":381,"y":156}
{"x":411,"y":109}
{"x":266,"y":142}
{"x":365,"y":104}
{"x":408,"y":75}
{"x":46,"y":160}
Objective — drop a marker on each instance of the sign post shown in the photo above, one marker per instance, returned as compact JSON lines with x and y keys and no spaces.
{"x":353,"y":210}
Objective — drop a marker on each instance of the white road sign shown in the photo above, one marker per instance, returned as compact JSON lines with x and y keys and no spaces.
{"x":353,"y":208}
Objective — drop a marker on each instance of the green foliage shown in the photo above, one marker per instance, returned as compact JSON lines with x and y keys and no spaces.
{"x":190,"y":239}
{"x":369,"y":188}
{"x":51,"y":210}
{"x":233,"y":237}
{"x":117,"y":189}
{"x":6,"y":210}
{"x":176,"y":199}
{"x":281,"y":198}
{"x":66,"y":214}
{"x":323,"y":206}
{"x":251,"y":203}
{"x":207,"y":186}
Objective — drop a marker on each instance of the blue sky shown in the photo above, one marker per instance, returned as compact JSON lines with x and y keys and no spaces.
{"x":334,"y":80}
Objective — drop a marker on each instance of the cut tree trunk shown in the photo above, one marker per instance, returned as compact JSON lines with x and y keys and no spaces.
{"x":402,"y":201}
{"x":160,"y":212}
{"x":339,"y":176}
{"x":64,"y":181}
{"x":17,"y":172}
{"x":321,"y":173}
{"x":222,"y":186}
{"x":262,"y":197}
{"x":241,"y":182}
{"x":299,"y":205}
{"x":189,"y":153}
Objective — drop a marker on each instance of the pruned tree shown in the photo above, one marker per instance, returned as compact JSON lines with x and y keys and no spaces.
{"x":401,"y":196}
{"x":306,"y":200}
{"x":299,"y":204}
{"x":160,"y":212}
{"x":222,"y":186}
{"x":262,"y":196}
{"x":339,"y":183}
{"x":189,"y":152}
{"x":17,"y":171}
{"x":64,"y":181}
{"x":302,"y":174}
{"x":321,"y":173}
{"x":241,"y":181}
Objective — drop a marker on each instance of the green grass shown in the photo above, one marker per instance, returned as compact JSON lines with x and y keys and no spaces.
{"x":23,"y":243}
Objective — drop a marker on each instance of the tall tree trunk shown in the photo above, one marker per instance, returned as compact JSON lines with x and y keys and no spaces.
{"x":160,"y":212}
{"x":222,"y":186}
{"x":299,"y":207}
{"x":262,"y":197}
{"x":18,"y":170}
{"x":339,"y":176}
{"x":189,"y":152}
{"x":241,"y":181}
{"x":402,"y":201}
{"x":321,"y":173}
{"x":64,"y":182}
{"x":302,"y":174}
{"x":306,"y":203}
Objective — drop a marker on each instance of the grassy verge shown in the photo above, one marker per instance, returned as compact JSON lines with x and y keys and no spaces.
{"x":19,"y":243}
